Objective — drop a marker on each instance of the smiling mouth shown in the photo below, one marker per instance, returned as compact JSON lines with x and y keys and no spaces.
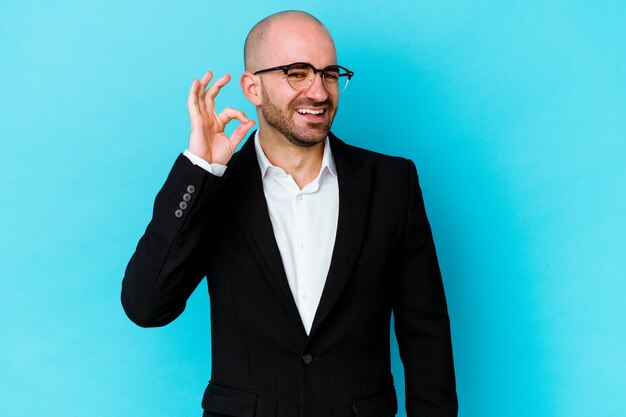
{"x":311,"y":111}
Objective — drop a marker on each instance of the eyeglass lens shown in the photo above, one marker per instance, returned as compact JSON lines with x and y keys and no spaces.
{"x":302,"y":76}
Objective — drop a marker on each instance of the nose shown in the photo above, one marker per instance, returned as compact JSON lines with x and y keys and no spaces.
{"x":317,"y":91}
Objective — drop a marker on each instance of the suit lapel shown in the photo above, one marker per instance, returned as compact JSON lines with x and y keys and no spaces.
{"x":248,"y":201}
{"x":355,"y":177}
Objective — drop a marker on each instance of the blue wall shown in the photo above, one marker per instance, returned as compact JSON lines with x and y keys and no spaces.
{"x":514,"y":112}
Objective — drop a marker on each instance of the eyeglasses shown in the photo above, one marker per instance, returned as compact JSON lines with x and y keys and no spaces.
{"x":301,"y":76}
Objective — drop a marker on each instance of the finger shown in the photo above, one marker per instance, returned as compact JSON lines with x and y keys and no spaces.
{"x":215,"y":88}
{"x":229,"y":114}
{"x":192,"y":101}
{"x":206,"y":79}
{"x":240,"y":133}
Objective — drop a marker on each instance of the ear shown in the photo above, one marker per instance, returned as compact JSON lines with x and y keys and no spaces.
{"x":251,"y":87}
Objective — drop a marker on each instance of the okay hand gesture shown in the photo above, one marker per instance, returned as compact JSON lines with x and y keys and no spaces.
{"x":207,"y":138}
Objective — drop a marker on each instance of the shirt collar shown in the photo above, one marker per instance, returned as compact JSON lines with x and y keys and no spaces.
{"x":328,"y":162}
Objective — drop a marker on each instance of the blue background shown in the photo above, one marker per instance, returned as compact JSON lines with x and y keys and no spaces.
{"x":514,"y":113}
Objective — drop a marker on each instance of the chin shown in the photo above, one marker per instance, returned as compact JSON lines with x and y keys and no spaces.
{"x":307,"y":140}
{"x":314,"y":132}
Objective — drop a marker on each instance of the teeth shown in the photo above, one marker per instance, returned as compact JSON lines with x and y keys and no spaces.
{"x":310,"y":111}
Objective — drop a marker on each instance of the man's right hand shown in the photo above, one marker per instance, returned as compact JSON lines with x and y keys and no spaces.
{"x":207,"y":138}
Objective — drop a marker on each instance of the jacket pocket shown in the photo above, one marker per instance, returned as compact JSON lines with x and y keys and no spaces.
{"x":381,"y":405}
{"x":220,"y":400}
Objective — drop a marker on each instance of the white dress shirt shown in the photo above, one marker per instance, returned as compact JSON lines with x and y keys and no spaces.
{"x":304,"y":223}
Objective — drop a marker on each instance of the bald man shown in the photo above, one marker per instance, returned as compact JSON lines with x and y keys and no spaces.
{"x":308,"y":245}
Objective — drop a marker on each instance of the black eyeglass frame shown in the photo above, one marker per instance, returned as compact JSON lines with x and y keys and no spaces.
{"x":285,"y":69}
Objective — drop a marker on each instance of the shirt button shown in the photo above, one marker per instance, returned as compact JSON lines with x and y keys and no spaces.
{"x":191,"y":189}
{"x":301,"y":245}
{"x":305,"y":297}
{"x":187,"y":197}
{"x":178,"y":213}
{"x":299,"y":197}
{"x":307,"y":359}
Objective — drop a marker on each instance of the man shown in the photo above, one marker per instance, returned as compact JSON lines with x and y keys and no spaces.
{"x":308,"y":245}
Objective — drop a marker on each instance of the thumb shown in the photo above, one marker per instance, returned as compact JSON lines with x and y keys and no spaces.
{"x":240,"y":133}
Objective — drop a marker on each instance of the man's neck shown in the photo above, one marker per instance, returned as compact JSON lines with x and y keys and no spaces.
{"x":302,"y":163}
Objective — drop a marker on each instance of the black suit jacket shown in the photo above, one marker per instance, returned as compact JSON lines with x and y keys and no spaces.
{"x":263,"y":362}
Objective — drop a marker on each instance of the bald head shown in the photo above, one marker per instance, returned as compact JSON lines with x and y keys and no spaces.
{"x":259,"y":40}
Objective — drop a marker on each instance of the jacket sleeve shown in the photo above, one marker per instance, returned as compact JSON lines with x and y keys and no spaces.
{"x":170,"y":259}
{"x":421,"y":319}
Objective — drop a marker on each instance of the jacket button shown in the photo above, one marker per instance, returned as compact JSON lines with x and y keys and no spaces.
{"x":187,"y":197}
{"x":191,"y":189}
{"x":307,"y":359}
{"x":178,"y":213}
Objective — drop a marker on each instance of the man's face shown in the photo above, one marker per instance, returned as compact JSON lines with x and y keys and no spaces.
{"x":303,"y":117}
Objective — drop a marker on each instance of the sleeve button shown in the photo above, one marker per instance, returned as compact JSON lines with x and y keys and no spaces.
{"x":187,"y":197}
{"x":178,"y":213}
{"x":191,"y":189}
{"x":182,"y":205}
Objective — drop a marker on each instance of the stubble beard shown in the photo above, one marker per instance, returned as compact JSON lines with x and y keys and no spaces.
{"x":282,"y":121}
